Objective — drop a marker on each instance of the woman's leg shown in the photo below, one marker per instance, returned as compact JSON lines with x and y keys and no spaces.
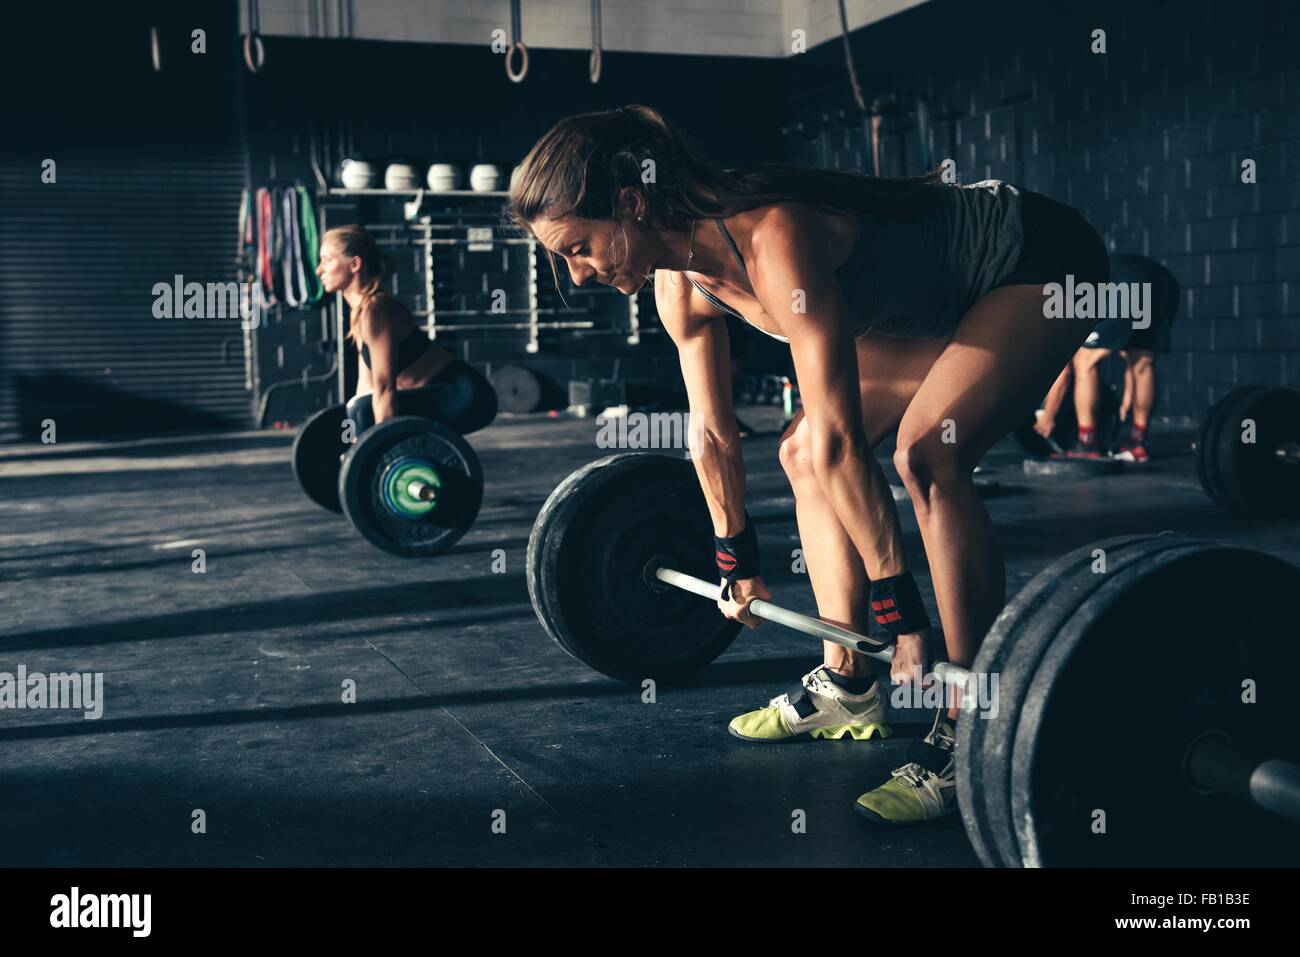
{"x":890,"y":371}
{"x":360,"y":412}
{"x":459,"y":397}
{"x":1140,"y":365}
{"x":1002,"y":358}
{"x":1087,"y":386}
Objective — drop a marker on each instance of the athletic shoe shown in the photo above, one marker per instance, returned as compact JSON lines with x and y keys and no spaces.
{"x":1135,"y":449}
{"x":923,"y":789}
{"x":817,"y":708}
{"x":1133,"y":453}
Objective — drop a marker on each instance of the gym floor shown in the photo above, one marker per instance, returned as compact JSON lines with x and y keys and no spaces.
{"x":223,"y":689}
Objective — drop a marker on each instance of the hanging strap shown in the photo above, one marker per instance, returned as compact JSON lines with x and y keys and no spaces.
{"x":310,"y":245}
{"x":288,"y":229}
{"x":264,"y":271}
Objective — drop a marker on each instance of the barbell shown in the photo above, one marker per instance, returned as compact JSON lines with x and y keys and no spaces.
{"x":409,"y":485}
{"x":1141,"y":712}
{"x":1047,"y":455}
{"x":1248,"y":451}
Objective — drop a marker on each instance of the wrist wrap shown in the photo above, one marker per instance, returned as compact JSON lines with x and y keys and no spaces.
{"x":737,"y":556}
{"x":896,"y":605}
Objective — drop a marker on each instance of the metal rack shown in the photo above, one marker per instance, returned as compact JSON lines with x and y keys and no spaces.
{"x":424,"y":233}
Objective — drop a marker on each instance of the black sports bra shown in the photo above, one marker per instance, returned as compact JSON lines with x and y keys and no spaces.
{"x":410,"y":349}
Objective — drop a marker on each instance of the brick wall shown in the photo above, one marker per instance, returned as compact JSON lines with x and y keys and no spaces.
{"x":1146,"y":140}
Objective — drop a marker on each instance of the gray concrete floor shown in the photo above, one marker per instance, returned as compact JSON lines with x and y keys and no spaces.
{"x":223,"y":689}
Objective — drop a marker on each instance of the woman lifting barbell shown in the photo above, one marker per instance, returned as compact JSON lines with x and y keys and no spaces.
{"x":401,"y":371}
{"x":911,"y":307}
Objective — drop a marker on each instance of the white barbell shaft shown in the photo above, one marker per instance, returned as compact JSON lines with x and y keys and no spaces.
{"x":1273,"y":785}
{"x":422,"y":491}
{"x":945,"y":672}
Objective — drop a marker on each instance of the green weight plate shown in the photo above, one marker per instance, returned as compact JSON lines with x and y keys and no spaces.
{"x":375,"y":486}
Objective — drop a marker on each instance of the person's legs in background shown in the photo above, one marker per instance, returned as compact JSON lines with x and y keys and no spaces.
{"x":1087,"y":397}
{"x":1140,"y":400}
{"x":1139,"y":348}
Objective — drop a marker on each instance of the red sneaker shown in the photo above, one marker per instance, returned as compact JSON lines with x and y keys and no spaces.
{"x":1135,"y":449}
{"x":1133,"y":452}
{"x":1085,"y":447}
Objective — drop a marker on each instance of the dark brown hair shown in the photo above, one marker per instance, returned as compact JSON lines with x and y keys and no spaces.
{"x":582,"y":163}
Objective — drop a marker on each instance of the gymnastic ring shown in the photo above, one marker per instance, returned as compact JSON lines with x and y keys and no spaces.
{"x":254,"y":52}
{"x":523,"y":65}
{"x":593,"y":64}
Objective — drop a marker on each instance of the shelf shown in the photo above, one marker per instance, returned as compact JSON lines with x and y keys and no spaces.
{"x":339,"y":191}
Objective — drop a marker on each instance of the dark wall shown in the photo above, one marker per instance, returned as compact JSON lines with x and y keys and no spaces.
{"x":149,"y":171}
{"x":427,"y":103}
{"x":1145,"y":140}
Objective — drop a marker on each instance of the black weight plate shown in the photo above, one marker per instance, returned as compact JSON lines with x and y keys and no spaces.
{"x":1072,"y":468}
{"x":1010,"y":652}
{"x":1029,"y":439}
{"x":586,"y":558}
{"x":396,"y":444}
{"x":1065,"y":431}
{"x":518,"y":389}
{"x":1037,"y":635}
{"x":537,"y":538}
{"x":541,"y":591}
{"x":1207,"y":444}
{"x":1154,"y":657}
{"x":317,"y":455}
{"x":1245,"y":477}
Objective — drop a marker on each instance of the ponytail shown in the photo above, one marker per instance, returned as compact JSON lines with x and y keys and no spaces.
{"x":584,"y":162}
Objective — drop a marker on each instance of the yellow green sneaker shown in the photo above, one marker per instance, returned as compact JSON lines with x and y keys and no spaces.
{"x":817,"y":708}
{"x":923,"y":789}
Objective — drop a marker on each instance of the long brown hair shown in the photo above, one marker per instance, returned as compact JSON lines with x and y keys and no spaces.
{"x":581,"y":164}
{"x":376,"y":266}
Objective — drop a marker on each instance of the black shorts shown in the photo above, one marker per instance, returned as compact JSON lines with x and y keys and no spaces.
{"x":459,"y":397}
{"x":1117,"y":334}
{"x":1058,"y":242}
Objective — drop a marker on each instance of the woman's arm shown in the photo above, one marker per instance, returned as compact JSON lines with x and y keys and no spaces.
{"x":794,"y":282}
{"x":379,"y":332}
{"x":697,"y":329}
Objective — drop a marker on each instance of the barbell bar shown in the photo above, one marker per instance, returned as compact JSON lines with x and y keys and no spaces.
{"x":1214,"y":764}
{"x":424,"y":491}
{"x":1107,"y":669}
{"x":949,"y":674}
